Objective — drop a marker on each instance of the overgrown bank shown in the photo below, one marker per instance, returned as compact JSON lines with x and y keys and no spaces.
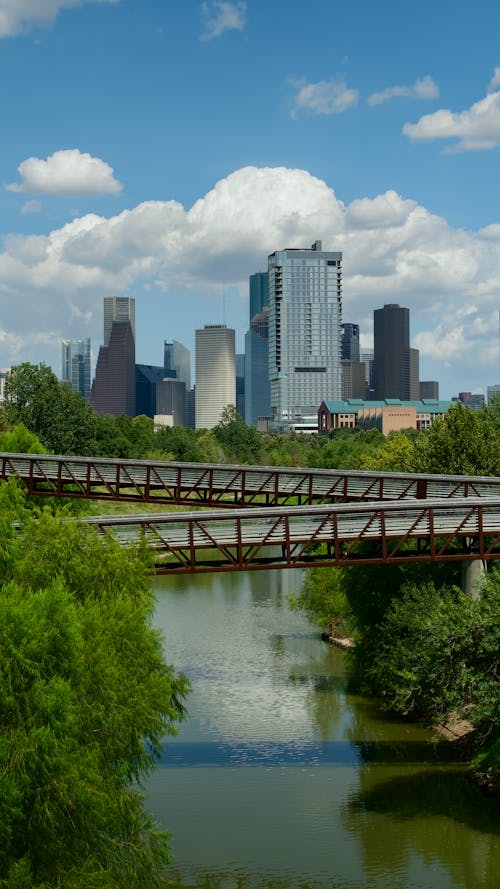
{"x":85,"y":701}
{"x":427,"y":650}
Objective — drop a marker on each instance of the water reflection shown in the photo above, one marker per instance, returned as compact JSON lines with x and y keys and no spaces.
{"x":283,"y":777}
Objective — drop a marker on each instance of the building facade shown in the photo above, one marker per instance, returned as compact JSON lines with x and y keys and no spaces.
{"x":395,"y":365}
{"x":113,"y":389}
{"x":118,"y":308}
{"x":215,"y":374}
{"x":75,"y":361}
{"x":177,"y":357}
{"x":305,"y":318}
{"x":350,"y":342}
{"x":389,"y":415}
{"x":258,"y":293}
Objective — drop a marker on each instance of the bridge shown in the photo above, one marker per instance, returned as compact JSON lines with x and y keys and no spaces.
{"x":275,"y":517}
{"x":466,"y":530}
{"x":224,"y":486}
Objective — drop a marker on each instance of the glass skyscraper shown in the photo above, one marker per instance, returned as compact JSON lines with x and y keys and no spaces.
{"x":305,"y":327}
{"x":118,"y":308}
{"x":76,"y":365}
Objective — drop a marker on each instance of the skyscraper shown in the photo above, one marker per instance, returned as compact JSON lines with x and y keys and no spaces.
{"x":257,"y":393}
{"x":177,"y":357}
{"x":395,"y":365}
{"x":76,"y":365}
{"x":215,"y":373}
{"x":113,"y":389}
{"x":350,"y":342}
{"x":259,"y":293}
{"x":118,"y":308}
{"x":305,"y":318}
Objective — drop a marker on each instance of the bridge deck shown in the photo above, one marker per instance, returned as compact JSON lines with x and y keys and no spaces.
{"x":340,"y":534}
{"x":226,"y":486}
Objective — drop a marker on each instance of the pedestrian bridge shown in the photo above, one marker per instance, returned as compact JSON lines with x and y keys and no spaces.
{"x":224,"y":486}
{"x":465,"y":529}
{"x":276,"y":517}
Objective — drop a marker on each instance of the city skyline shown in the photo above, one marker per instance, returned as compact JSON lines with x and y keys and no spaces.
{"x":373,"y":128}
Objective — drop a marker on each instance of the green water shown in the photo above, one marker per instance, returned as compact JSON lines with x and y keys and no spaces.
{"x":281,"y":777}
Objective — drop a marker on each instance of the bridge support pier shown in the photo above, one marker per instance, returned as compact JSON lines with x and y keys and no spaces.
{"x":473,"y":573}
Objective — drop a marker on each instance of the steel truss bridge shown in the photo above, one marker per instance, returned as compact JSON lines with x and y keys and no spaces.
{"x":224,"y":486}
{"x":292,"y":537}
{"x":337,"y":518}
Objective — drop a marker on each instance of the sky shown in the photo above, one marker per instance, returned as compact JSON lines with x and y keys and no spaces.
{"x":163,"y":149}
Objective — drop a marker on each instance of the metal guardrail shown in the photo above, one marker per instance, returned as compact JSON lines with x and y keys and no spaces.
{"x":198,"y":484}
{"x":336,"y":535}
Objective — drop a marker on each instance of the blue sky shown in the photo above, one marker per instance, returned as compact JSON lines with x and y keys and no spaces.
{"x":163,"y":149}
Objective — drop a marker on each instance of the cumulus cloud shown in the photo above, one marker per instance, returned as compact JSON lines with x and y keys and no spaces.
{"x":69,"y":173}
{"x":17,"y":16}
{"x":494,"y":83}
{"x":220,"y":16}
{"x":475,"y":129}
{"x":394,"y":250}
{"x":425,"y":88}
{"x":324,"y":97}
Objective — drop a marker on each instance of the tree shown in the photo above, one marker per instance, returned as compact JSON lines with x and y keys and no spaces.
{"x":60,"y":417}
{"x":462,"y":442}
{"x":241,"y":443}
{"x":85,"y":701}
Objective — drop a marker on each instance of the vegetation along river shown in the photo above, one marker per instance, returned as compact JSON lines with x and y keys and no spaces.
{"x":283,"y":777}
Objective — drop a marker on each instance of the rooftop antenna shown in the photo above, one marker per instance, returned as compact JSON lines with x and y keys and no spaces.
{"x":224,"y":305}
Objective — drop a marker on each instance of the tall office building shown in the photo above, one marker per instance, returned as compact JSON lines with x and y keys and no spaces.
{"x":367,"y":360}
{"x":429,"y":389}
{"x":215,"y":373}
{"x":350,"y":342}
{"x":395,"y":365}
{"x":177,"y":357}
{"x":118,"y":308}
{"x":305,"y":318}
{"x":259,"y":293}
{"x":113,"y":389}
{"x":76,"y":365}
{"x":257,"y":391}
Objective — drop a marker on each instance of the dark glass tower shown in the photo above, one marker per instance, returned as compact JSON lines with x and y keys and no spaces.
{"x":113,"y":389}
{"x":391,"y":359}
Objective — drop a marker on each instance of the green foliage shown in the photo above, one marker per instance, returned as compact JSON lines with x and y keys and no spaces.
{"x":462,"y":442}
{"x":395,"y":454}
{"x":21,"y":441}
{"x":347,"y":448}
{"x":241,"y":443}
{"x":85,"y":701}
{"x":61,"y":418}
{"x":323,"y":599}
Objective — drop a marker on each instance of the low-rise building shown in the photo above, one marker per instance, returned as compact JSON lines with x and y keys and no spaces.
{"x":390,"y":415}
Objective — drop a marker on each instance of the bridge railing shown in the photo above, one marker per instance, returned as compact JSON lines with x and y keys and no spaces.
{"x":221,"y":485}
{"x":339,"y":534}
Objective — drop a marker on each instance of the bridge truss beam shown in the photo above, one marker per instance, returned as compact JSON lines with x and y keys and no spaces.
{"x":226,"y":486}
{"x":292,"y":537}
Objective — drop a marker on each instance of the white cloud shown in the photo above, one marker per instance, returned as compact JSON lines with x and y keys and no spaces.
{"x":17,"y":16}
{"x":494,"y":83}
{"x":69,"y":173}
{"x":394,"y":250}
{"x":324,"y":97}
{"x":476,"y":128}
{"x":385,"y":210}
{"x":220,"y":16}
{"x":424,"y":88}
{"x":31,"y":207}
{"x":492,"y":232}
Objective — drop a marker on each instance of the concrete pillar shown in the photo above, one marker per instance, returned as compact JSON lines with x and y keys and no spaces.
{"x":473,"y":572}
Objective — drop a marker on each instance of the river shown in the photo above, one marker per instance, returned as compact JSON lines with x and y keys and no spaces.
{"x":283,"y":777}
